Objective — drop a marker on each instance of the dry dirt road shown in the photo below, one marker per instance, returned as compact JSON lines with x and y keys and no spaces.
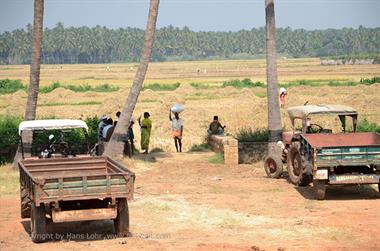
{"x":182,"y":202}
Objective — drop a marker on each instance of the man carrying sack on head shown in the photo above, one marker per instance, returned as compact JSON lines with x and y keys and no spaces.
{"x":177,"y":126}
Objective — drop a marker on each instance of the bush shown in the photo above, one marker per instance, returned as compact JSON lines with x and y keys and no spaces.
{"x":10,"y":86}
{"x":245,"y":83}
{"x":201,"y":86}
{"x":162,"y":87}
{"x":365,"y":126}
{"x":9,"y":131}
{"x":370,"y":81}
{"x":250,"y":135}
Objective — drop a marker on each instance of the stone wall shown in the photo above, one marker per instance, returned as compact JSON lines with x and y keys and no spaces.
{"x":228,"y":146}
{"x":251,"y":152}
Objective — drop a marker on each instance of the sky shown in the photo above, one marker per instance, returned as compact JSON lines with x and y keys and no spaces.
{"x":205,"y":15}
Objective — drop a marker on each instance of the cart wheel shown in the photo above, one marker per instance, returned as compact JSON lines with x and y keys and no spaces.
{"x":121,"y":222}
{"x":319,"y":189}
{"x":273,"y":166}
{"x":38,"y":223}
{"x":25,"y":203}
{"x":299,"y":172}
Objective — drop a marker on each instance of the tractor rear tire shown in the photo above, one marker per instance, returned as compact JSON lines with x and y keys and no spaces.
{"x":319,"y":189}
{"x":273,"y":166}
{"x":298,"y":169}
{"x":38,"y":223}
{"x":25,"y":203}
{"x":121,"y":222}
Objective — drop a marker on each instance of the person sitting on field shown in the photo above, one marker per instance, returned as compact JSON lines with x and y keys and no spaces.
{"x":216,"y":127}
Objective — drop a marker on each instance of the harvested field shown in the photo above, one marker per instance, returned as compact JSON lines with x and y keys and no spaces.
{"x":202,"y":206}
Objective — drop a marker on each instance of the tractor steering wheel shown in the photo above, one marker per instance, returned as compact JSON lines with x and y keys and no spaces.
{"x":314,"y":128}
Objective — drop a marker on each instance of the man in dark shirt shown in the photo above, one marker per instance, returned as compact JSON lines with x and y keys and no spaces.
{"x":216,"y":127}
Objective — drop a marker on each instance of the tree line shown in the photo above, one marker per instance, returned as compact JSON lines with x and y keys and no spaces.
{"x":84,"y":45}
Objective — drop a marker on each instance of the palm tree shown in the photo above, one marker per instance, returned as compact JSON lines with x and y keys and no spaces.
{"x":31,"y":105}
{"x":116,"y":144}
{"x":34,"y":80}
{"x":274,"y":116}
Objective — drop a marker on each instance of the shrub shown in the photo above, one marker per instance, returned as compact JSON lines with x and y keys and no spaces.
{"x":245,"y":83}
{"x":366,"y":126}
{"x":370,"y":81}
{"x":162,"y":87}
{"x":79,"y":88}
{"x":250,"y":135}
{"x":201,"y":86}
{"x":10,"y":86}
{"x":203,"y":147}
{"x":9,"y":131}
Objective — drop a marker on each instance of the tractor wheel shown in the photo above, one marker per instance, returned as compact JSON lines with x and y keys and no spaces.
{"x":273,"y":166}
{"x":298,"y":170}
{"x":25,"y":203}
{"x":38,"y":223}
{"x":121,"y":222}
{"x":319,"y":189}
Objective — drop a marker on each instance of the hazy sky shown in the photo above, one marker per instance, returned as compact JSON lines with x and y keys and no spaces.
{"x":221,"y":15}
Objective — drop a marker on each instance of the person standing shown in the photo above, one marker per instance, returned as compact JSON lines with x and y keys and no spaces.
{"x":282,"y":97}
{"x":146,"y":127}
{"x":177,"y":130}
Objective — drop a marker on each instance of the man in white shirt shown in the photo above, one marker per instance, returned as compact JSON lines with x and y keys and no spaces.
{"x":177,"y":130}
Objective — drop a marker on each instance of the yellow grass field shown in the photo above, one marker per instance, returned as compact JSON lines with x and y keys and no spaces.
{"x":237,"y":108}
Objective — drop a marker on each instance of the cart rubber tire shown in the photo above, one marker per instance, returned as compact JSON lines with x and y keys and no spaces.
{"x":319,"y":187}
{"x":25,"y":203}
{"x":121,"y":222}
{"x":273,"y":166}
{"x":298,"y":170}
{"x":38,"y":223}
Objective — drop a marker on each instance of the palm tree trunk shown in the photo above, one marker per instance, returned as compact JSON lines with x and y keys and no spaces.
{"x":116,"y":144}
{"x":274,"y":115}
{"x":31,"y":105}
{"x":34,"y":78}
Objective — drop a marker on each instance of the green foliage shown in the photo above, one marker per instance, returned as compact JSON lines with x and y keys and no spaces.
{"x":162,"y":87}
{"x":9,"y":134}
{"x":203,"y":147}
{"x":89,"y":45}
{"x":218,"y":158}
{"x":10,"y":86}
{"x":366,"y":126}
{"x":80,"y":103}
{"x":250,"y":135}
{"x":245,"y":83}
{"x":201,"y":86}
{"x":9,"y":131}
{"x":79,"y":88}
{"x":337,"y":83}
{"x":370,"y":81}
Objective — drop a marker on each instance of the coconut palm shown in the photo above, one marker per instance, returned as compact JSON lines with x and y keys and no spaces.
{"x":274,"y":116}
{"x":31,"y":105}
{"x":34,"y":78}
{"x":116,"y":144}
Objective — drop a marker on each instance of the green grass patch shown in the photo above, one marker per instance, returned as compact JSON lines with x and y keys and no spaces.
{"x":337,"y":83}
{"x":201,"y":86}
{"x":260,"y":94}
{"x":11,"y":86}
{"x":370,"y":81}
{"x":63,"y":104}
{"x":251,"y":135}
{"x":161,"y":87}
{"x":203,"y":147}
{"x":245,"y":83}
{"x":79,"y":88}
{"x":218,"y":158}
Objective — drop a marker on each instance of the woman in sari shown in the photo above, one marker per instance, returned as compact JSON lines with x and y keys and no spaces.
{"x":146,"y":127}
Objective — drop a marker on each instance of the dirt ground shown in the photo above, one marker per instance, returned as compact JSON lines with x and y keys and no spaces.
{"x":183,"y":202}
